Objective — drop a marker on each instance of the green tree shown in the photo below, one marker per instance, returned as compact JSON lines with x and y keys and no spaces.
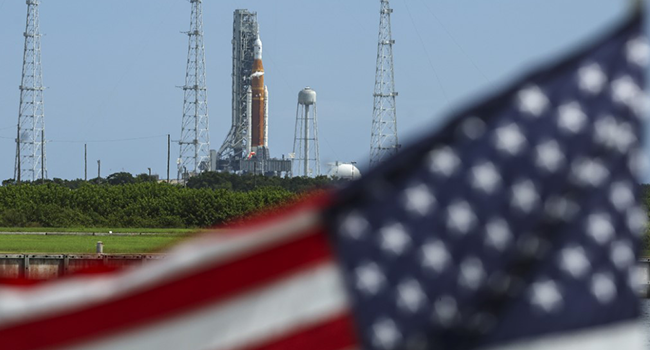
{"x":121,"y":178}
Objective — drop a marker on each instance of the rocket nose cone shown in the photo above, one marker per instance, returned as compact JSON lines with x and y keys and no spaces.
{"x":257,"y":48}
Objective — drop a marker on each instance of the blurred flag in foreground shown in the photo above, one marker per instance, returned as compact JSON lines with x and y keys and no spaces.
{"x":514,"y":227}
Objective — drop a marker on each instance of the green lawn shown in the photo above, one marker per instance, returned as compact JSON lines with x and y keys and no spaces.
{"x":97,"y":229}
{"x":73,"y":244}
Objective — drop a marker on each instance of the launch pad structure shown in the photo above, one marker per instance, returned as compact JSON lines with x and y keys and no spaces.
{"x":245,"y":149}
{"x":234,"y":147}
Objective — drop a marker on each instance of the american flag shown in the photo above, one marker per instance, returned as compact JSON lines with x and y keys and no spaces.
{"x":519,"y":219}
{"x":516,"y":226}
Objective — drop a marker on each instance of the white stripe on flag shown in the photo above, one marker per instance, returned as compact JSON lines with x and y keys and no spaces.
{"x":628,"y":335}
{"x":302,"y":299}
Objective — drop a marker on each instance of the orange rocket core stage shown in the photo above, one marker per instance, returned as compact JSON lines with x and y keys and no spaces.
{"x":258,"y":105}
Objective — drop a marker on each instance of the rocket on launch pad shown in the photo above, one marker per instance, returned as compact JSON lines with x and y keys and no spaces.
{"x":258,"y":103}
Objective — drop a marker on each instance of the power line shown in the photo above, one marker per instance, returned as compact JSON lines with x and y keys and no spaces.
{"x":96,"y":141}
{"x":424,"y":48}
{"x":462,"y":50}
{"x":109,"y":140}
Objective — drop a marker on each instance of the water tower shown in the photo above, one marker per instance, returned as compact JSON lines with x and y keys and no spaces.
{"x":305,"y":143}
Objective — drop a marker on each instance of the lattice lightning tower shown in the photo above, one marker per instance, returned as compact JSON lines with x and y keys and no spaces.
{"x":383,"y":139}
{"x":195,"y":137}
{"x":30,"y":136}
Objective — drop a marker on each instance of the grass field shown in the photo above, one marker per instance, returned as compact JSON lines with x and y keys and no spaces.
{"x":74,"y":244}
{"x":97,"y":229}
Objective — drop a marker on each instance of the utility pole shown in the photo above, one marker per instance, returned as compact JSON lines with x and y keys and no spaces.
{"x":85,"y":162}
{"x":18,"y":166}
{"x":99,"y":169}
{"x":169,"y":141}
{"x":43,"y":156}
{"x":383,"y":138}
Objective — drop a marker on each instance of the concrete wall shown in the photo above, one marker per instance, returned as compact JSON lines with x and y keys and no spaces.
{"x":43,"y":266}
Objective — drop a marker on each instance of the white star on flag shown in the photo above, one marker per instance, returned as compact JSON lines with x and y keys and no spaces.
{"x":625,"y":91}
{"x":471,"y":273}
{"x":443,"y":161}
{"x":445,"y":310}
{"x":386,"y":335}
{"x":603,"y":287}
{"x":574,"y":261}
{"x":532,"y":101}
{"x":498,"y":234}
{"x":419,"y":199}
{"x":354,"y":225}
{"x":524,"y":196}
{"x":410,"y":296}
{"x":546,"y":296}
{"x":548,"y":156}
{"x":600,"y":228}
{"x":369,"y":278}
{"x":622,"y":255}
{"x":591,"y":78}
{"x":394,"y":238}
{"x":638,"y":51}
{"x":435,"y":255}
{"x":485,"y":177}
{"x":571,"y":118}
{"x":620,"y":194}
{"x":509,"y":139}
{"x":460,"y":217}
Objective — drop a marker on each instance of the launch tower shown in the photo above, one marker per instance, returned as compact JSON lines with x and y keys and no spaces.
{"x":195,"y":132}
{"x":30,"y":136}
{"x":246,"y":147}
{"x":383,"y":138}
{"x":237,"y":144}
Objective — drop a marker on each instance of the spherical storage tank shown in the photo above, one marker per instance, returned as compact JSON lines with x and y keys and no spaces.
{"x":345,"y":171}
{"x":307,"y":96}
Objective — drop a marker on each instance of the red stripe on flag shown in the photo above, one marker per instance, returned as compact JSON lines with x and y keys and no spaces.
{"x":333,"y":334}
{"x":176,"y":296}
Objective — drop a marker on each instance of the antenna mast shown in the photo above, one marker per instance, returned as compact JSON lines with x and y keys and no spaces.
{"x":195,"y":133}
{"x":383,"y":138}
{"x":30,"y":135}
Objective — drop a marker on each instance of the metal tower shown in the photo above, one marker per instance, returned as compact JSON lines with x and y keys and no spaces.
{"x":305,"y":143}
{"x":195,"y":137}
{"x":237,"y":144}
{"x":30,"y":136}
{"x":383,"y":139}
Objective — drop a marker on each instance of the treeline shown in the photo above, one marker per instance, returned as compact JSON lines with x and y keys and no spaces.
{"x":250,"y":182}
{"x":123,"y":200}
{"x":214,"y":180}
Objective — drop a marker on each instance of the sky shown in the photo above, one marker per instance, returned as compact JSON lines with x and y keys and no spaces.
{"x":112,"y":69}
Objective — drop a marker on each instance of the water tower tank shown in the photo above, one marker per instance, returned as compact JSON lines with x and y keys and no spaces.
{"x":307,"y":96}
